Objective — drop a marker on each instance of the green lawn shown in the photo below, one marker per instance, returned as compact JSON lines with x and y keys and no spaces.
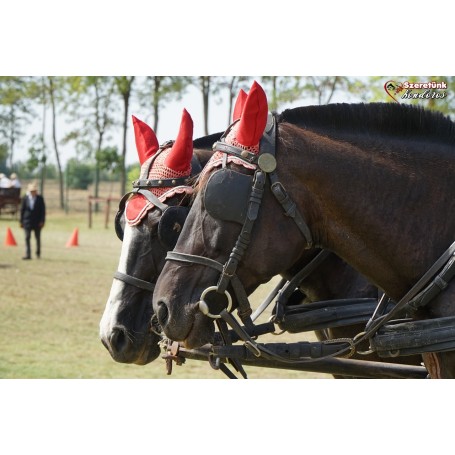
{"x":50,"y":308}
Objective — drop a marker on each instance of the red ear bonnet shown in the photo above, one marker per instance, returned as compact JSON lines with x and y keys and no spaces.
{"x":254,"y":117}
{"x":146,"y":141}
{"x":179,"y":158}
{"x":239,"y":105}
{"x":247,"y":132}
{"x":172,"y":162}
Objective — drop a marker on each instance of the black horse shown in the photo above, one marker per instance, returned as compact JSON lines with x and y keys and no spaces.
{"x":125,"y":327}
{"x":371,"y":182}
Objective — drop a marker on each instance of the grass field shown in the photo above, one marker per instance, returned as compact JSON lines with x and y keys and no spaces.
{"x":50,"y":308}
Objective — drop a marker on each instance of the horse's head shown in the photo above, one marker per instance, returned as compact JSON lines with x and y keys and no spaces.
{"x":148,"y":222}
{"x":229,"y":235}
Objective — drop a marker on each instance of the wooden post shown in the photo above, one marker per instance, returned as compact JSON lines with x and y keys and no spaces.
{"x":89,"y":211}
{"x":108,"y":207}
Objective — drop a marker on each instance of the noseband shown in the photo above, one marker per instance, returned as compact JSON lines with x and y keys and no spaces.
{"x":265,"y":163}
{"x":143,"y":186}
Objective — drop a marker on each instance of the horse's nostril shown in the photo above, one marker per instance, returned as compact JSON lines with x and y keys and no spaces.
{"x":163,"y":313}
{"x":118,"y":340}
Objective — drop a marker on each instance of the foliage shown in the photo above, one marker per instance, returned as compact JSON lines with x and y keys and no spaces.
{"x":15,"y":111}
{"x":79,"y":175}
{"x":109,"y":160}
{"x":133,"y":173}
{"x":98,"y":106}
{"x":3,"y":156}
{"x":156,"y":91}
{"x":37,"y":153}
{"x":26,"y":171}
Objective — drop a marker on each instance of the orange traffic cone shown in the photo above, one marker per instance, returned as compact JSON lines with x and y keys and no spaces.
{"x":9,"y":239}
{"x":73,"y":239}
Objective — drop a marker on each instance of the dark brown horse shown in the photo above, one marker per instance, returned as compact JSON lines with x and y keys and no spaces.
{"x":372,"y":183}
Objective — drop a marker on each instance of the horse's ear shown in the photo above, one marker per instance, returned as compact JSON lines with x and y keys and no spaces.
{"x":179,"y":158}
{"x":239,"y":105}
{"x":254,"y":117}
{"x":146,"y":141}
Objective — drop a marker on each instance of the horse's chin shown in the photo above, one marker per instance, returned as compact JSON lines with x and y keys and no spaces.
{"x":201,"y":333}
{"x":150,"y":352}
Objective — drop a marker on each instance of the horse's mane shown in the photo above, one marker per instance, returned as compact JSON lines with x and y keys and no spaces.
{"x":206,"y":142}
{"x":388,"y":118}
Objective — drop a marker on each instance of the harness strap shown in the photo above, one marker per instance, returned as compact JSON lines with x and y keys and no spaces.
{"x":150,"y":183}
{"x":151,"y":197}
{"x":374,"y":325}
{"x":244,"y":309}
{"x":286,"y":291}
{"x":440,"y":282}
{"x":128,"y":279}
{"x":245,"y":235}
{"x":244,"y":155}
{"x":223,"y":329}
{"x":290,"y":208}
{"x":193,"y":259}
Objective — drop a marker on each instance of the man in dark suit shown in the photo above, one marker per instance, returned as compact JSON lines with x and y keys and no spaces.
{"x":33,"y":216}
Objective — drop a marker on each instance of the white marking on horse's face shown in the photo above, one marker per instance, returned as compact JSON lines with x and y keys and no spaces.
{"x":109,"y":318}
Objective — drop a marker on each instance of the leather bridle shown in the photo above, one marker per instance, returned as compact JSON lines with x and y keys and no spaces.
{"x":265,"y":163}
{"x":143,"y":186}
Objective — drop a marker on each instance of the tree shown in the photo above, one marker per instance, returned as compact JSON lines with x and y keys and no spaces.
{"x":211,"y":85}
{"x":157,"y":90}
{"x":54,"y":86}
{"x":95,"y":96}
{"x":124,"y":86}
{"x":283,"y":89}
{"x":15,"y":110}
{"x":218,"y":86}
{"x":36,"y":90}
{"x":203,"y":84}
{"x":79,"y":174}
{"x":36,"y":163}
{"x":3,"y":156}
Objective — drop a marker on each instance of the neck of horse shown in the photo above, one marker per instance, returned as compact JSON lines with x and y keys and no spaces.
{"x":376,"y":205}
{"x":333,"y":279}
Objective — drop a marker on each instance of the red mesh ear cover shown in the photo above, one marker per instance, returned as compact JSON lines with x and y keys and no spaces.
{"x":179,"y":159}
{"x":146,"y":141}
{"x":254,"y":117}
{"x":171,"y":163}
{"x":239,"y":105}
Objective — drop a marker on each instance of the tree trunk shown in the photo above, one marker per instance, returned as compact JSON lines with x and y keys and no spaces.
{"x":205,"y":88}
{"x":155,"y":101}
{"x":54,"y":139}
{"x":12,"y":137}
{"x":97,"y":169}
{"x":124,"y":86}
{"x":43,"y":144}
{"x":100,"y":130}
{"x":231,"y":98}
{"x":125,"y":128}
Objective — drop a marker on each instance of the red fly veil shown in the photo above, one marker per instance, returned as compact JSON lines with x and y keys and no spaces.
{"x":172,"y":162}
{"x":252,"y":110}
